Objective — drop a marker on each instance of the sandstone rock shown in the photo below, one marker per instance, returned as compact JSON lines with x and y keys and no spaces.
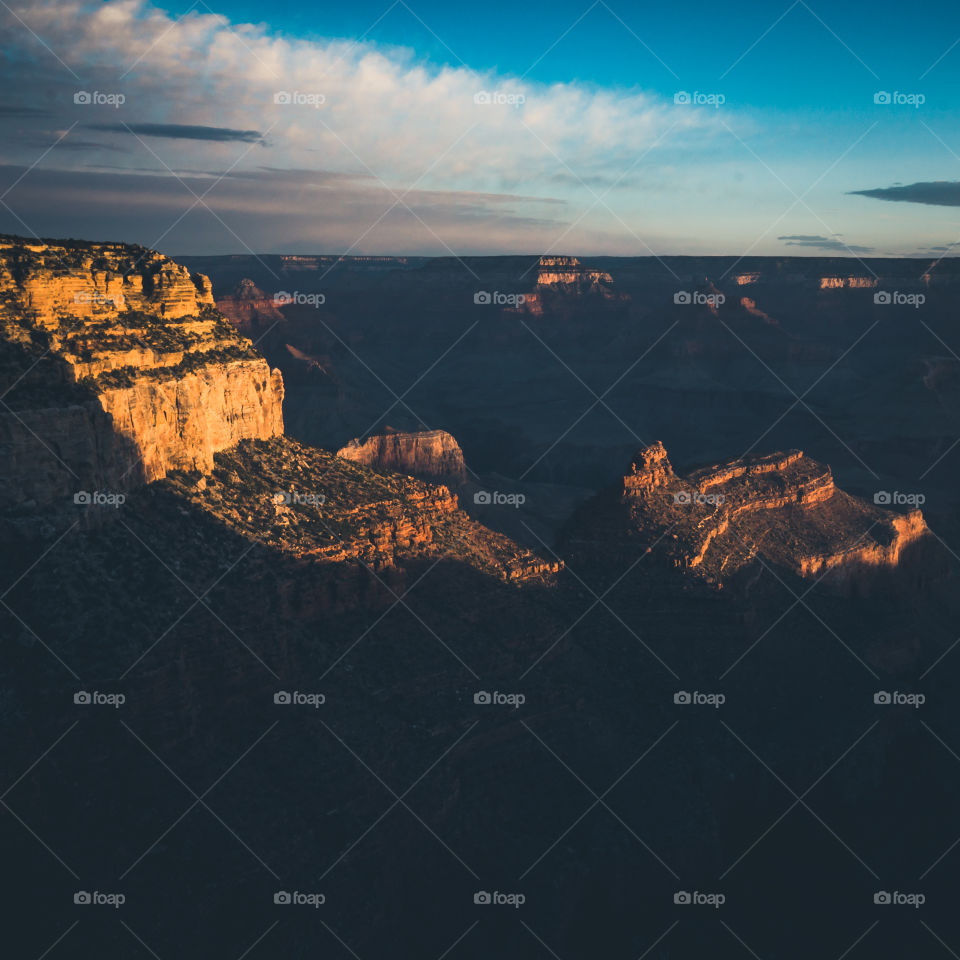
{"x":781,"y":509}
{"x":428,"y":454}
{"x":119,"y":369}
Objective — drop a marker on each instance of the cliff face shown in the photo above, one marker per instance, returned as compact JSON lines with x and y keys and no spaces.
{"x":428,"y":454}
{"x":782,"y":510}
{"x":118,"y":368}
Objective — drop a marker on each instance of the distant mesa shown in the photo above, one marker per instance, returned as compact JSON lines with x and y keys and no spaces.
{"x":781,"y":509}
{"x":565,"y":278}
{"x":248,"y":308}
{"x":848,"y":283}
{"x":428,"y":454}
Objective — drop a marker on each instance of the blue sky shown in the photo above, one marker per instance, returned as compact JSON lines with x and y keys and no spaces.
{"x":588,"y":152}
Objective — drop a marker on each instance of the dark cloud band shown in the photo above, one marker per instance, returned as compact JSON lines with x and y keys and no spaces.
{"x":182,"y":131}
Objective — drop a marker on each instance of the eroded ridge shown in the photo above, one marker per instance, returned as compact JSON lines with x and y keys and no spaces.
{"x":781,"y":508}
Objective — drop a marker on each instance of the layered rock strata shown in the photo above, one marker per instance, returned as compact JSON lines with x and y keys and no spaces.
{"x":428,"y":454}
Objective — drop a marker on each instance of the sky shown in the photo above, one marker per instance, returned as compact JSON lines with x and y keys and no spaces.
{"x":436,"y":129}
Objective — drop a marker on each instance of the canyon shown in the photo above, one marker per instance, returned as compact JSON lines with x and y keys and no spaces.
{"x":416,"y":507}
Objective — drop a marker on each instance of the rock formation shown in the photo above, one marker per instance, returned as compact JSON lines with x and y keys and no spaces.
{"x":321,"y":508}
{"x":249,"y":309}
{"x":566,"y":277}
{"x":782,"y":510}
{"x":118,"y":369}
{"x":428,"y":454}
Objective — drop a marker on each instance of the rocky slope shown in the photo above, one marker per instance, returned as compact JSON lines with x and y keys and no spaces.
{"x":781,"y":510}
{"x":314,"y":506}
{"x":428,"y":454}
{"x":116,"y":369}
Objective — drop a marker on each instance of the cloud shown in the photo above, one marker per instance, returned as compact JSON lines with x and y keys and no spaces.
{"x":181,"y":131}
{"x":364,"y":112}
{"x":939,"y":193}
{"x":824,"y":243}
{"x":318,"y":214}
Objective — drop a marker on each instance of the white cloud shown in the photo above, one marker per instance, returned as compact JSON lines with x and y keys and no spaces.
{"x":384,"y":115}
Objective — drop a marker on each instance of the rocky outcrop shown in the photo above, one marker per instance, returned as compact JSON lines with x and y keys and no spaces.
{"x":322,"y":509}
{"x":566,"y":278}
{"x":427,"y":454}
{"x":782,"y":510}
{"x":248,"y":308}
{"x":118,"y":368}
